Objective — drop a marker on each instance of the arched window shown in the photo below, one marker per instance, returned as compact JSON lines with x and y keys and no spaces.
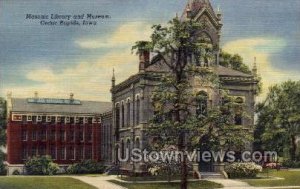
{"x":117,"y":119}
{"x":238,"y":119}
{"x":128,"y":147}
{"x":122,"y":149}
{"x":204,"y":56}
{"x":137,"y":143}
{"x":117,"y":153}
{"x":128,"y":113}
{"x":123,"y":114}
{"x":201,"y":100}
{"x":138,"y":104}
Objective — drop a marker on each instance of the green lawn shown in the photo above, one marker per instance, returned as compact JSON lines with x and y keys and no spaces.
{"x":192,"y":185}
{"x":42,"y":183}
{"x":291,"y":178}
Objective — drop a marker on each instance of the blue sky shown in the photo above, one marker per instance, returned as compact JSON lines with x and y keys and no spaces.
{"x":57,"y":60}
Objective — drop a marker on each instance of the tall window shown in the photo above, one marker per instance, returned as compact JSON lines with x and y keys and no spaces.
{"x":42,"y":150}
{"x":72,"y":135}
{"x":128,"y":113}
{"x":62,"y":135}
{"x":24,"y":135}
{"x":72,"y":153}
{"x":117,"y":122}
{"x":88,"y":153}
{"x":53,"y":152}
{"x":137,"y":143}
{"x":24,"y":153}
{"x":43,"y":135}
{"x":81,"y":134}
{"x":52,"y":135}
{"x":80,"y":152}
{"x":238,"y":119}
{"x":128,"y":147}
{"x":122,"y":149}
{"x":123,"y":114}
{"x":34,"y":136}
{"x":201,"y":99}
{"x":138,"y":104}
{"x":63,"y":153}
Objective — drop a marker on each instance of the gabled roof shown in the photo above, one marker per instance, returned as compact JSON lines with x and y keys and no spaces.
{"x":85,"y":107}
{"x":197,"y":6}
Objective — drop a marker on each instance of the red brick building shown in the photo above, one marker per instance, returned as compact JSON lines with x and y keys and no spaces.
{"x":68,"y":130}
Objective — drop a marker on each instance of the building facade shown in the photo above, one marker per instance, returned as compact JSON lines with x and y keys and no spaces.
{"x":131,"y":99}
{"x":68,"y":130}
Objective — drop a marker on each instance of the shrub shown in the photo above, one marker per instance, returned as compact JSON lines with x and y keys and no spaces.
{"x":86,"y":167}
{"x":291,"y":164}
{"x":3,"y":169}
{"x":243,"y":170}
{"x":41,"y":166}
{"x":16,"y":172}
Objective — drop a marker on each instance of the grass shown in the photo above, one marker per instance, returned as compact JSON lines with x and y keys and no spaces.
{"x":192,"y":185}
{"x":42,"y":183}
{"x":291,"y":178}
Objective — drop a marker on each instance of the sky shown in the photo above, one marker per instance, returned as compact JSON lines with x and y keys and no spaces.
{"x":59,"y":60}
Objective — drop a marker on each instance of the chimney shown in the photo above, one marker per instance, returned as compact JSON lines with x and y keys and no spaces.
{"x":36,"y":95}
{"x":144,"y":56}
{"x":219,"y":14}
{"x":113,"y":79}
{"x":254,"y":69}
{"x":188,"y":11}
{"x":71,"y":96}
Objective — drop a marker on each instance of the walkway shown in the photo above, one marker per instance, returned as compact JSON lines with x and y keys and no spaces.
{"x":102,"y":182}
{"x":99,"y":182}
{"x":235,"y":184}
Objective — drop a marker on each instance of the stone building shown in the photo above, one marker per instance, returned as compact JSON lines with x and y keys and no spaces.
{"x":131,"y":99}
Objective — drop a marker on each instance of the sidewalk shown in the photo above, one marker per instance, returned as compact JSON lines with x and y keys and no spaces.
{"x":99,"y":182}
{"x":103,"y":183}
{"x":235,"y":184}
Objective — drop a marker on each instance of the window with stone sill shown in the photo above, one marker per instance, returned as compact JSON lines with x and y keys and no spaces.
{"x":238,"y":118}
{"x":63,"y":153}
{"x":33,"y":151}
{"x":24,"y":153}
{"x":53,"y":152}
{"x":123,"y":115}
{"x":24,"y":135}
{"x":34,"y":136}
{"x":128,"y":114}
{"x":72,"y":154}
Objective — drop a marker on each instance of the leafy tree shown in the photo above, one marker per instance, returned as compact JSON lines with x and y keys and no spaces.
{"x":174,"y":101}
{"x":234,"y":61}
{"x":2,"y":122}
{"x":279,"y":119}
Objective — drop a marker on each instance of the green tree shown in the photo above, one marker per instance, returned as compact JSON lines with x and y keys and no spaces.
{"x":279,"y":119}
{"x":173,"y":99}
{"x":234,"y":61}
{"x":2,"y":121}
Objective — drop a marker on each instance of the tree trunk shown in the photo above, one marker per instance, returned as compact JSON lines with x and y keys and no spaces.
{"x":293,"y":148}
{"x":184,"y":171}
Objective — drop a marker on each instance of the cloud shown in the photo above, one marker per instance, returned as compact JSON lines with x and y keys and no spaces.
{"x":89,"y":79}
{"x":263,"y":49}
{"x":126,"y":34}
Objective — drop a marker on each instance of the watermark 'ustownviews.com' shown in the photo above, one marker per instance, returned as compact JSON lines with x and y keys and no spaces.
{"x":138,"y":155}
